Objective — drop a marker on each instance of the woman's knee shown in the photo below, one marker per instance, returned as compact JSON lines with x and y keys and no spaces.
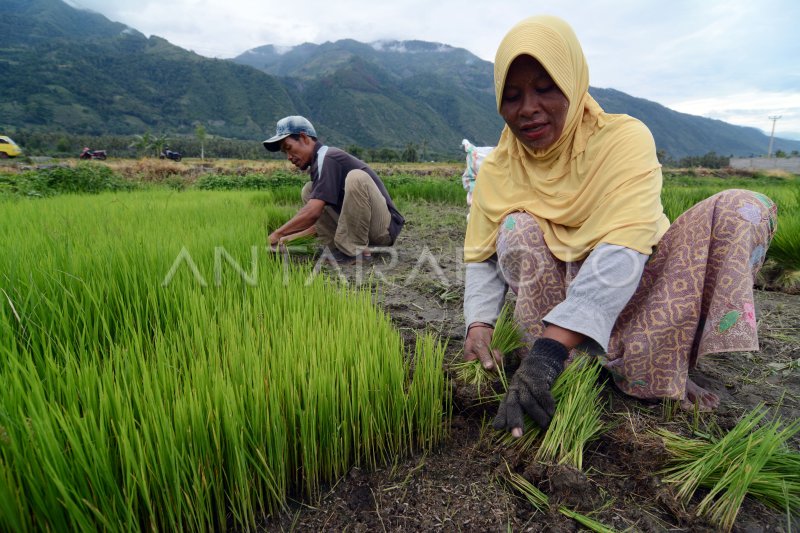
{"x":743,"y":195}
{"x":521,"y":250}
{"x":522,"y":229}
{"x":755,"y":207}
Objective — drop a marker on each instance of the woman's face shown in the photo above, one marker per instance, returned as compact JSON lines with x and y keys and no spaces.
{"x":532,"y":105}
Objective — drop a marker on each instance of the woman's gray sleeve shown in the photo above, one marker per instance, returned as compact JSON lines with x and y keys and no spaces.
{"x":605,"y":283}
{"x":484,"y":292}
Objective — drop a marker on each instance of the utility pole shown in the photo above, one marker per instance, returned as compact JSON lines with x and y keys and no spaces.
{"x":774,"y":119}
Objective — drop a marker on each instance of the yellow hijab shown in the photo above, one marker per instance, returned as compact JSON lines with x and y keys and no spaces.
{"x":600,"y":182}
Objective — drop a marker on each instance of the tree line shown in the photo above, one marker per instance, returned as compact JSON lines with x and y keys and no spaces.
{"x":203,"y":145}
{"x":199,"y":145}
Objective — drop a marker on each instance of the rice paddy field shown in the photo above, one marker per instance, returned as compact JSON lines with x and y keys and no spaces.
{"x":162,"y":369}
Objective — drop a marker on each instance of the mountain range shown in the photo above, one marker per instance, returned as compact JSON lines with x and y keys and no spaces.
{"x":74,"y":71}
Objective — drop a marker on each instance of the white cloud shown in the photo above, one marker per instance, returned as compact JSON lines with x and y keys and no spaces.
{"x":751,"y":109}
{"x":676,"y":53}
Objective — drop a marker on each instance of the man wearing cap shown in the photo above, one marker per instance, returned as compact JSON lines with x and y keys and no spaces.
{"x":345,"y":201}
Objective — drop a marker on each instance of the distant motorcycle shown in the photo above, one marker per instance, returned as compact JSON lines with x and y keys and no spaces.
{"x":170,"y":154}
{"x":93,"y":154}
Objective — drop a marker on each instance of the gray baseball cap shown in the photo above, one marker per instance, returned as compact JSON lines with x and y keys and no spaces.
{"x":293,"y":125}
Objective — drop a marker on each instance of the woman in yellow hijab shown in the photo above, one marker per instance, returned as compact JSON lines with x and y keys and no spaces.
{"x":567,"y":212}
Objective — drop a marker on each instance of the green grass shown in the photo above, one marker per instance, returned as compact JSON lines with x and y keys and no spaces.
{"x":449,"y":191}
{"x":785,"y":248}
{"x":286,"y":186}
{"x":133,"y":399}
{"x":283,"y":188}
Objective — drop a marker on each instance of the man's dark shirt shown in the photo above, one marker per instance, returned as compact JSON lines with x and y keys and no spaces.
{"x":328,"y":185}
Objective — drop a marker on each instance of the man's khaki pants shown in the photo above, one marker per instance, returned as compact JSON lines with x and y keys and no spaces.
{"x":364,"y":219}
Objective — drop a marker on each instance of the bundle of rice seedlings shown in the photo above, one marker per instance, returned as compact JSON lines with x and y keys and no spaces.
{"x":577,"y":417}
{"x":541,"y":502}
{"x":749,"y":459}
{"x":305,"y":245}
{"x":506,"y":338}
{"x":576,"y":420}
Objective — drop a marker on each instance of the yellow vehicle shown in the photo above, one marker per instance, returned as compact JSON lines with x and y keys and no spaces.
{"x":8,"y":148}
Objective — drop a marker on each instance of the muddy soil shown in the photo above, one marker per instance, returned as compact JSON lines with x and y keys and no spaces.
{"x":461,"y":487}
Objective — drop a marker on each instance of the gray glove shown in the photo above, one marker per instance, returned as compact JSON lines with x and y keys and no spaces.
{"x":530,"y":387}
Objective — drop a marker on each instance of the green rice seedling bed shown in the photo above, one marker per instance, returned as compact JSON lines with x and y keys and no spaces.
{"x":161,"y":370}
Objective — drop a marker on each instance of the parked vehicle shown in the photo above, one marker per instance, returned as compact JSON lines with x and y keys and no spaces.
{"x":166,"y":153}
{"x":8,"y":148}
{"x":93,"y":154}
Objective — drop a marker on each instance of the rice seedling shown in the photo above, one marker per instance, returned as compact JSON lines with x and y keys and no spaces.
{"x":677,"y":200}
{"x":286,"y":186}
{"x":159,"y":372}
{"x":752,"y":458}
{"x":304,"y":245}
{"x":576,"y":421}
{"x":541,"y":502}
{"x":506,"y":338}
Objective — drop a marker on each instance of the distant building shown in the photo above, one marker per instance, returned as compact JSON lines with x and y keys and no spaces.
{"x":789,"y":164}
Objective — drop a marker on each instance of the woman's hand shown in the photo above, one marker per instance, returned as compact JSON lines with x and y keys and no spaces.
{"x":530,"y":388}
{"x":476,"y":346}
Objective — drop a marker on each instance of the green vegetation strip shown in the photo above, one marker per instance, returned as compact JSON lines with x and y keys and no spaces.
{"x":86,"y":177}
{"x":161,"y":370}
{"x":753,"y":458}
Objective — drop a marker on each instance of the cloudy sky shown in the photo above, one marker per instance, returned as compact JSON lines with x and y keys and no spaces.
{"x":733,"y":60}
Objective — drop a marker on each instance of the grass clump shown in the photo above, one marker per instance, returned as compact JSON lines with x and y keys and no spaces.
{"x":577,"y":417}
{"x":83,"y":178}
{"x":431,"y":190}
{"x":751,"y":459}
{"x":251,"y":181}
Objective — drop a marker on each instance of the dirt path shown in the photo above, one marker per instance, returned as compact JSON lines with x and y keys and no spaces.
{"x":460,"y":487}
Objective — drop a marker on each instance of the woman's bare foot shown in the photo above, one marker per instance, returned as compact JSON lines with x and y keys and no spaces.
{"x":695,"y":394}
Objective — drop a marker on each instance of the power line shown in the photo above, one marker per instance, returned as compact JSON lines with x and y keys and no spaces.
{"x":774,"y":119}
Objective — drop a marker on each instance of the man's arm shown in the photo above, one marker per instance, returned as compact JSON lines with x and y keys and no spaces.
{"x":306,"y":217}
